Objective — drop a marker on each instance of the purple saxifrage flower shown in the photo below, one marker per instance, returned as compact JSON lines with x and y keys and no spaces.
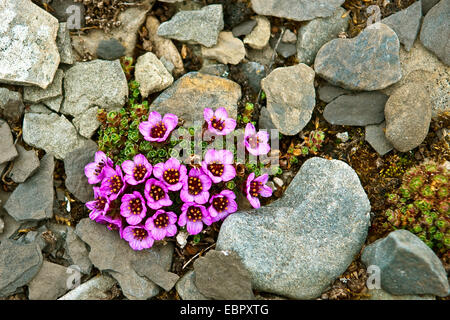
{"x":133,"y":207}
{"x":99,"y":206}
{"x":171,"y":173}
{"x":156,"y":194}
{"x":138,"y":170}
{"x":218,"y":121}
{"x":113,"y":183}
{"x":157,"y":129}
{"x":94,"y":171}
{"x":138,"y":237}
{"x":193,"y":216}
{"x":256,"y":143}
{"x":218,"y":165}
{"x":162,"y":224}
{"x":195,"y":187}
{"x":112,"y":223}
{"x":256,"y":188}
{"x":222,"y":205}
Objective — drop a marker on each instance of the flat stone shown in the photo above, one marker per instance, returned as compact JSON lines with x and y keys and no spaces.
{"x":8,"y":151}
{"x":110,"y":49}
{"x":265,"y":121}
{"x":200,"y":90}
{"x":355,"y":63}
{"x":33,"y":199}
{"x":151,"y":74}
{"x":286,"y":50}
{"x":19,"y":264}
{"x":291,"y":97}
{"x":74,"y":163}
{"x":10,"y":225}
{"x":186,"y":288}
{"x":407,"y":265}
{"x":244,"y":28}
{"x":64,"y":44}
{"x":222,"y":276}
{"x":298,"y":10}
{"x":196,"y":26}
{"x":11,"y":105}
{"x":227,"y":50}
{"x":376,"y":137}
{"x":76,"y":252}
{"x":360,"y":109}
{"x":264,"y":56}
{"x":36,"y":94}
{"x":408,"y":116}
{"x":316,"y":33}
{"x":54,"y":103}
{"x":380,"y":294}
{"x":216,"y":69}
{"x":328,"y":93}
{"x":49,"y":283}
{"x":155,"y":273}
{"x":289,"y":37}
{"x":260,"y":35}
{"x":24,"y":165}
{"x":112,"y":254}
{"x":87,"y":122}
{"x":38,"y":108}
{"x":427,"y":5}
{"x":435,"y":32}
{"x":93,"y":289}
{"x":28,"y":51}
{"x":313,"y":233}
{"x":254,"y":72}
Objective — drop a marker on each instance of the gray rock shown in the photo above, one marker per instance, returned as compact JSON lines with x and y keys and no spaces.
{"x":19,"y":263}
{"x":51,"y":132}
{"x":154,"y":272}
{"x":10,"y":225}
{"x":313,"y":35}
{"x":33,"y":199}
{"x":200,"y":90}
{"x":36,"y":94}
{"x":2,"y":225}
{"x":380,"y":294}
{"x":110,"y":49}
{"x":110,"y":253}
{"x":38,"y":108}
{"x":186,"y":288}
{"x":408,"y":116}
{"x":286,"y":50}
{"x":28,"y":52}
{"x":360,"y":109}
{"x":260,"y":35}
{"x":376,"y":137}
{"x":265,"y":121}
{"x":291,"y":97}
{"x":87,"y":122}
{"x":151,"y":74}
{"x":8,"y":151}
{"x":54,"y":103}
{"x":254,"y":72}
{"x":217,"y":69}
{"x":227,"y":50}
{"x":289,"y":37}
{"x":49,"y":283}
{"x":435,"y":32}
{"x":197,"y":26}
{"x":96,"y":83}
{"x":62,"y":12}
{"x":406,"y":24}
{"x":64,"y":44}
{"x":24,"y":165}
{"x":298,"y":10}
{"x":355,"y":63}
{"x":264,"y":56}
{"x":407,"y":265}
{"x":74,"y":163}
{"x":312,"y":234}
{"x":222,"y":276}
{"x":244,"y":28}
{"x":11,"y":105}
{"x":35,"y":236}
{"x":94,"y":289}
{"x":328,"y":93}
{"x":427,"y":5}
{"x":76,"y":252}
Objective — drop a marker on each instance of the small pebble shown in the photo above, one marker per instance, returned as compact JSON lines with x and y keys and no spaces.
{"x":343,"y":136}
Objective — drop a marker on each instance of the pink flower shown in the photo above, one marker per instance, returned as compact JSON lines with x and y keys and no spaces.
{"x":171,"y":173}
{"x":113,"y":183}
{"x":218,"y":122}
{"x":138,"y":237}
{"x":218,"y":165}
{"x":195,"y":187}
{"x":222,"y":205}
{"x":99,"y":206}
{"x":138,"y":170}
{"x":193,"y":216}
{"x":257,"y":187}
{"x":256,"y":143}
{"x":133,"y":208}
{"x":94,"y":171}
{"x":112,"y":223}
{"x":157,"y":129}
{"x":156,"y":194}
{"x":162,"y":224}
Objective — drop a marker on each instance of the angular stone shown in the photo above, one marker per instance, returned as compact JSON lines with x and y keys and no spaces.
{"x":227,"y":50}
{"x":28,"y":51}
{"x":151,"y":74}
{"x":76,"y":252}
{"x":291,"y":97}
{"x":217,"y":69}
{"x":313,"y":233}
{"x":155,"y":273}
{"x":38,"y":108}
{"x":54,"y":103}
{"x":24,"y":165}
{"x":289,"y":37}
{"x":94,"y":289}
{"x":110,"y":49}
{"x":380,"y":294}
{"x":360,"y":109}
{"x":355,"y":63}
{"x":64,"y":44}
{"x":254,"y":72}
{"x":49,"y":283}
{"x":376,"y":137}
{"x":265,"y":121}
{"x":264,"y":56}
{"x":284,"y":49}
{"x":298,"y":10}
{"x":407,"y":265}
{"x":260,"y":35}
{"x":8,"y":151}
{"x":328,"y":93}
{"x":11,"y":105}
{"x":33,"y":199}
{"x":87,"y":122}
{"x":186,"y":288}
{"x":244,"y":28}
{"x":36,"y":94}
{"x":197,"y":26}
{"x":222,"y":276}
{"x":316,"y":33}
{"x":427,"y":5}
{"x":200,"y":90}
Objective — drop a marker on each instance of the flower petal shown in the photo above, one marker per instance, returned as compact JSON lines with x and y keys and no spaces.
{"x":194,"y":227}
{"x":265,"y":191}
{"x":208,"y":114}
{"x":221,"y":113}
{"x":229,"y":172}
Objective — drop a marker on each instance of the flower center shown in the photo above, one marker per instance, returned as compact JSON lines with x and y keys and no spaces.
{"x":100,"y":204}
{"x":99,"y":167}
{"x":216,"y":169}
{"x":158,"y":130}
{"x":112,"y":226}
{"x":217,"y":124}
{"x":171,"y":176}
{"x":139,"y":234}
{"x":194,"y":186}
{"x":194,"y":214}
{"x":157,"y":193}
{"x":220,"y":204}
{"x":255,"y":186}
{"x":115,"y":183}
{"x":162,"y":221}
{"x":253,"y":141}
{"x":139,"y":172}
{"x":135,"y":206}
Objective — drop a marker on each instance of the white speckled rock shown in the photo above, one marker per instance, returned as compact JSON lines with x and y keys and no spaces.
{"x":36,"y":94}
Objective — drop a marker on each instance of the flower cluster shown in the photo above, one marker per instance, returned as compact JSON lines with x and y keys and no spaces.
{"x":149,"y":201}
